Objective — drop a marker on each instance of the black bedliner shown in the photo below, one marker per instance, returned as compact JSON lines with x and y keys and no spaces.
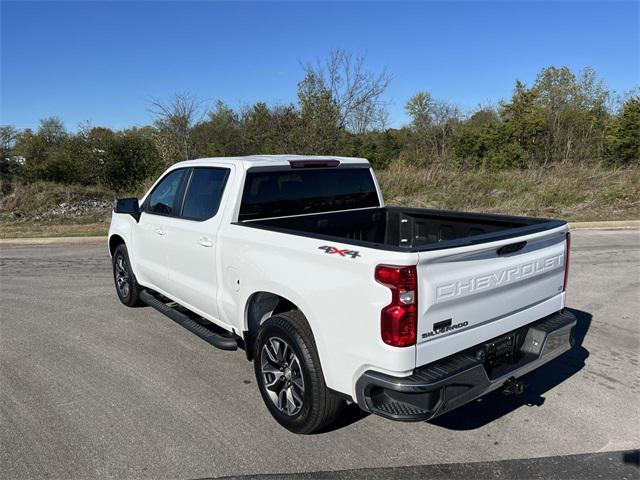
{"x":406,"y":229}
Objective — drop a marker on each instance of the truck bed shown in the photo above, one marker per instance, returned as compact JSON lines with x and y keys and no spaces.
{"x":406,"y":229}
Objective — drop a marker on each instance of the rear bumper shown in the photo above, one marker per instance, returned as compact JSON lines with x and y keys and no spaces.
{"x":444,"y":385}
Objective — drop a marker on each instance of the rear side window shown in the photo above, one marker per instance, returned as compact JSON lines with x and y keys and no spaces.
{"x":164,"y":197}
{"x":204,"y":193}
{"x":295,"y":192}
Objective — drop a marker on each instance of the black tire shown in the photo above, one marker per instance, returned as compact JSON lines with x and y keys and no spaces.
{"x":127,"y":286}
{"x":320,"y":407}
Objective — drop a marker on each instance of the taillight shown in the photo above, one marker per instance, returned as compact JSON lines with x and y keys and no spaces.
{"x":566,"y":262}
{"x":399,"y":319}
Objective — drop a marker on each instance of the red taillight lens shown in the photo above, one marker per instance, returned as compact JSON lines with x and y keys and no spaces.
{"x":399,"y":319}
{"x":566,"y":262}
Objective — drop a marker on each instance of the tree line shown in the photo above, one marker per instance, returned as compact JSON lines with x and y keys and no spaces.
{"x":563,"y":117}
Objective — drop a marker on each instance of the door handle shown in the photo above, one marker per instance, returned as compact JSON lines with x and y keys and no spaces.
{"x":160,"y":231}
{"x":205,"y":242}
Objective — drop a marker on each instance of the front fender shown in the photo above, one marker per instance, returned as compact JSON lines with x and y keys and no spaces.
{"x":121,"y":226}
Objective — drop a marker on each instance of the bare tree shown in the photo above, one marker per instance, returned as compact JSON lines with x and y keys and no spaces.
{"x":432,"y":120}
{"x":356,"y":91}
{"x":174,"y":121}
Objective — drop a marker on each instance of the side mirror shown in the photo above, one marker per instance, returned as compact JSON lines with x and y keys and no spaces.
{"x":129,"y":206}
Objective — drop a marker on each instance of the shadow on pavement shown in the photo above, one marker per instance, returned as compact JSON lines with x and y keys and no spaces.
{"x":585,"y":466}
{"x":351,"y":414}
{"x":632,"y":457}
{"x":494,"y":405}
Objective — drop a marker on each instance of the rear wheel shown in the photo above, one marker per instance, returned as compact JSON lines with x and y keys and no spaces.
{"x":289,"y":375}
{"x":125,"y":281}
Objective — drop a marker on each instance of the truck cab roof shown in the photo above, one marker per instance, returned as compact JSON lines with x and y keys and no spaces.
{"x":250,"y":161}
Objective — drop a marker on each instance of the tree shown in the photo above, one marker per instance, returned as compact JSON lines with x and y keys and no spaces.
{"x":380,"y":148}
{"x":525,"y":124}
{"x":356,"y":92}
{"x":418,"y":108}
{"x":8,"y":167}
{"x":564,"y":116}
{"x":174,"y":121}
{"x":8,"y":136}
{"x":220,"y":134}
{"x":432,"y":122}
{"x":595,"y":106}
{"x":319,"y":116}
{"x":130,"y":158}
{"x":52,"y":130}
{"x":446,"y":117}
{"x":575,"y":109}
{"x":257,"y":129}
{"x":39,"y":148}
{"x":476,"y":137}
{"x":285,"y":128}
{"x":623,"y":135}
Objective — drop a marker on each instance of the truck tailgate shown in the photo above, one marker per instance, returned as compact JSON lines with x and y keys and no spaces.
{"x":470,"y":294}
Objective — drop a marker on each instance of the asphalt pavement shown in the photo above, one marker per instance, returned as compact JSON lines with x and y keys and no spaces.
{"x":92,"y":389}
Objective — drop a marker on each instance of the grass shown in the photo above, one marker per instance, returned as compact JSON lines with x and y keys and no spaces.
{"x":574,"y":193}
{"x":46,"y":209}
{"x":43,"y":230}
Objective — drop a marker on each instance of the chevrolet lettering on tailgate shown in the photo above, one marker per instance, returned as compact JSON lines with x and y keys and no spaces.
{"x":513,"y":274}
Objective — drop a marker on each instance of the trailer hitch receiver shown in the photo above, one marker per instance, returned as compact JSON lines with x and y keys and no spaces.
{"x":513,"y":387}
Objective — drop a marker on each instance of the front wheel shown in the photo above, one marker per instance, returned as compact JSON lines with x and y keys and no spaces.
{"x":289,"y":375}
{"x":125,"y":281}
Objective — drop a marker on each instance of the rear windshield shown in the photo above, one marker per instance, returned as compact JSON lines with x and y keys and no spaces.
{"x":295,"y":192}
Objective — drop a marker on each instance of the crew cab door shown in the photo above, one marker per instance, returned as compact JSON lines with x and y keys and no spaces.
{"x":191,"y":241}
{"x":150,"y":234}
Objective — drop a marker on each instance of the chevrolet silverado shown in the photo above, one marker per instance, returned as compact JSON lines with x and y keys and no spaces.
{"x":337,"y":297}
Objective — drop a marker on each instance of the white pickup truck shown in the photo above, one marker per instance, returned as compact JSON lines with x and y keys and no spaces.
{"x":338,"y":298}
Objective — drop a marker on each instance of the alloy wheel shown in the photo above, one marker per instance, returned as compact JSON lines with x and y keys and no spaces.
{"x":282,"y":375}
{"x":122,"y":276}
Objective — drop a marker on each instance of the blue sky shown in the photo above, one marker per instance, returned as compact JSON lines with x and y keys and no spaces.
{"x":101,"y":61}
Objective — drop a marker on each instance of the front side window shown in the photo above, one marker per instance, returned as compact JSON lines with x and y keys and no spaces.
{"x":163,"y":199}
{"x":204,"y":193}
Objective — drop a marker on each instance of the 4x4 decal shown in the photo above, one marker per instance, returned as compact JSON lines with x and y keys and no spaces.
{"x":343,"y":253}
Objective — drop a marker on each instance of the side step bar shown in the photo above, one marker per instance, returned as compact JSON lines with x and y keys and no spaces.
{"x":223,"y":342}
